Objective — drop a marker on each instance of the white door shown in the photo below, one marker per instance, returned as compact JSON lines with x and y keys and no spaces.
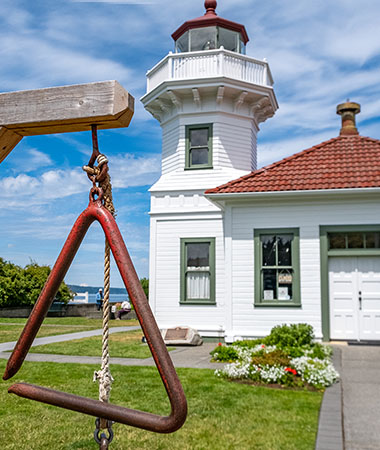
{"x":354,"y":295}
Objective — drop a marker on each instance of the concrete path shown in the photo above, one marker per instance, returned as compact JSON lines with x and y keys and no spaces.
{"x":361,"y":397}
{"x":196,"y":357}
{"x":350,"y":413}
{"x":7,"y":346}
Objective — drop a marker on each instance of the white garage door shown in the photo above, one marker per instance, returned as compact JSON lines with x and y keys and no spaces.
{"x":354,"y":295}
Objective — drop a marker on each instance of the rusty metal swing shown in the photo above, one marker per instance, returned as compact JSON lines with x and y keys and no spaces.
{"x":106,"y":413}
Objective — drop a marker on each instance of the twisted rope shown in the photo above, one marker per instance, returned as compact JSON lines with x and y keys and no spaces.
{"x":104,"y":374}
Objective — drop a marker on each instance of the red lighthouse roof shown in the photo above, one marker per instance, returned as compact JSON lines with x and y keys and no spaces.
{"x":209,"y":19}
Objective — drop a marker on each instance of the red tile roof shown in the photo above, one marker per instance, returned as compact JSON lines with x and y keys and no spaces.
{"x":344,"y":162}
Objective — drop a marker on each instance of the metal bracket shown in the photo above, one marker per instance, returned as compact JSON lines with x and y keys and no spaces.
{"x":107,"y":411}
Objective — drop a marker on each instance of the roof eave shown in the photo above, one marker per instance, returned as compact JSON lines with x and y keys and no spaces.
{"x":282,"y":194}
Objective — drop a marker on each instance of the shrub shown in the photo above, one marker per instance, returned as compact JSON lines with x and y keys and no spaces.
{"x":319,"y":351}
{"x":21,"y":287}
{"x":224,"y":353}
{"x":276,"y":358}
{"x":248,"y":343}
{"x":295,"y":335}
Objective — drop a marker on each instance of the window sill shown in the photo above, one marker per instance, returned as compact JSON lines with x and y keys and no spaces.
{"x":198,"y":302}
{"x":282,"y":304}
{"x":199,"y":168}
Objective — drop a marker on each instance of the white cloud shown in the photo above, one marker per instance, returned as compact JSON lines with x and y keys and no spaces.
{"x":126,"y":171}
{"x":130,"y":170}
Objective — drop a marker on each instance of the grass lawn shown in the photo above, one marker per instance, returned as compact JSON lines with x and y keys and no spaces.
{"x":222,"y":415}
{"x":122,"y":345}
{"x":10,"y":329}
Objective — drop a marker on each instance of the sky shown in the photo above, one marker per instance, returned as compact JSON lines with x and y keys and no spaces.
{"x":320,"y":54}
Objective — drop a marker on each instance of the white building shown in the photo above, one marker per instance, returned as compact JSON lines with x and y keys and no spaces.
{"x":297,"y":241}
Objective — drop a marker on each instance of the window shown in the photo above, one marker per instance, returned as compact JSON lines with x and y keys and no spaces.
{"x":353,"y":240}
{"x":198,"y":270}
{"x":203,"y":39}
{"x":277,"y":278}
{"x":198,"y":147}
{"x":228,"y":39}
{"x":210,"y":38}
{"x":182,"y":45}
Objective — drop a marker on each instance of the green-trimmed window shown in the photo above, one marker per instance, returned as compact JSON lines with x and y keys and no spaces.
{"x":277,"y":268}
{"x":354,"y":240}
{"x":199,"y":147}
{"x":198,"y":270}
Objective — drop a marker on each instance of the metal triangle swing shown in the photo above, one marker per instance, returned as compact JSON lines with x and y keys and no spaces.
{"x":105,"y":412}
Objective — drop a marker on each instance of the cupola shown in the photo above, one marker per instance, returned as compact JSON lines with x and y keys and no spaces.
{"x":210,"y":32}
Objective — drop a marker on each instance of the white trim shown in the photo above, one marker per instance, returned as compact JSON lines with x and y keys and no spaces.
{"x":152,"y":264}
{"x":228,"y":303}
{"x":304,"y":193}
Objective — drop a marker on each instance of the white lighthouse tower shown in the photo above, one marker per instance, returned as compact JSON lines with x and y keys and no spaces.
{"x":209,"y":98}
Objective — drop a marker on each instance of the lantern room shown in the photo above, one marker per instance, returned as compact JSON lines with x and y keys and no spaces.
{"x":210,"y":32}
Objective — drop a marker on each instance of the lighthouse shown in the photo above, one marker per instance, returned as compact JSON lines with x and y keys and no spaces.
{"x":209,"y":98}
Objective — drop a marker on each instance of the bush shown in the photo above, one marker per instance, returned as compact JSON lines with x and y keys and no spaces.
{"x":248,"y":343}
{"x":21,"y":287}
{"x":295,"y":335}
{"x":224,"y":353}
{"x":276,"y":358}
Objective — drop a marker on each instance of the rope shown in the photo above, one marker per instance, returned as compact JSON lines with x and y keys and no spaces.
{"x":104,"y":374}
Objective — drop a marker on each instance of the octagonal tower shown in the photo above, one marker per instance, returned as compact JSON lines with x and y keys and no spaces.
{"x":209,"y":98}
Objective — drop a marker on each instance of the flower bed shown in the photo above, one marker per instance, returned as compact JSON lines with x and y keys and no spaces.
{"x":288,"y":357}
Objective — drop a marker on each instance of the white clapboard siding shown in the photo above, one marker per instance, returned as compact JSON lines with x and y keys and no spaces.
{"x":170,"y":146}
{"x":166,"y":255}
{"x":234,"y":141}
{"x":234,"y":146}
{"x":307,"y":216}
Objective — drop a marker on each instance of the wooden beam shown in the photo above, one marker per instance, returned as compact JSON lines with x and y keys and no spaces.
{"x":62,"y":109}
{"x":8,"y":141}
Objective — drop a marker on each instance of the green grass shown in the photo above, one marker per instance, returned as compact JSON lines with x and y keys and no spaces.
{"x":222,"y":415}
{"x":54,"y":326}
{"x":75,"y":321}
{"x":122,"y":345}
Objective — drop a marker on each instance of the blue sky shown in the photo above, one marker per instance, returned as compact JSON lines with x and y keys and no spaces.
{"x":320,"y":54}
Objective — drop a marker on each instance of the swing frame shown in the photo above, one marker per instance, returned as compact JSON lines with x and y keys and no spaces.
{"x":78,"y":108}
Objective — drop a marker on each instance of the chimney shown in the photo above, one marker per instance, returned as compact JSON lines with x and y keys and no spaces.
{"x":348,"y":112}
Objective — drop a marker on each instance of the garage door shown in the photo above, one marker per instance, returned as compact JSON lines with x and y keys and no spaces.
{"x":354,"y":296}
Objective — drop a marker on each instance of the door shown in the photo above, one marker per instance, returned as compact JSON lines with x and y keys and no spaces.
{"x":354,"y":295}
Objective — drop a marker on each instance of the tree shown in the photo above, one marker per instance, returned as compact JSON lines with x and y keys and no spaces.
{"x":145,"y":285}
{"x":21,"y":287}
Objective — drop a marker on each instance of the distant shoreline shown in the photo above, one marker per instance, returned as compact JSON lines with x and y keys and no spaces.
{"x":94,"y":290}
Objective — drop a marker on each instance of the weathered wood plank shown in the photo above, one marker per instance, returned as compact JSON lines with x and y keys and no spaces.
{"x":66,"y":108}
{"x":8,"y":141}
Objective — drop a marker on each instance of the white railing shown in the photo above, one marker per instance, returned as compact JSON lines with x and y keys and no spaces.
{"x":83,"y":298}
{"x":209,"y":64}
